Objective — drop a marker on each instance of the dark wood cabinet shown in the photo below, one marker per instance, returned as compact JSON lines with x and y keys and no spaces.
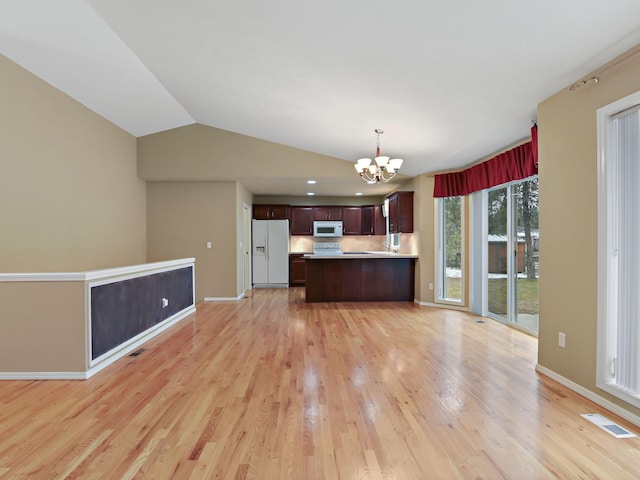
{"x":350,"y":280}
{"x":270,"y":212}
{"x":372,"y":220}
{"x":327,"y":213}
{"x":367,"y":220}
{"x":302,"y":220}
{"x":297,"y":269}
{"x":352,"y":220}
{"x":401,"y":212}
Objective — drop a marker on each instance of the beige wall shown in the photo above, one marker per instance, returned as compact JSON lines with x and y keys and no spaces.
{"x":182,"y":217}
{"x":568,"y":223}
{"x":70,"y":199}
{"x":198,"y":152}
{"x":424,"y":224}
{"x":43,"y":323}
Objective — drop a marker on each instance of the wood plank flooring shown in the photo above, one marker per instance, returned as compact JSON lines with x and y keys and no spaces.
{"x":270,"y":387}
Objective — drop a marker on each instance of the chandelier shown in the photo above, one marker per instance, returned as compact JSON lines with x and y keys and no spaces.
{"x":382,"y":169}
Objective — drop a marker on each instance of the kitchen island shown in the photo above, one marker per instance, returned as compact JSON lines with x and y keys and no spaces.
{"x":360,"y":277}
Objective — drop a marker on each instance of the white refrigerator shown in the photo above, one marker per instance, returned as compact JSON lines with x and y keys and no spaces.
{"x":270,"y":253}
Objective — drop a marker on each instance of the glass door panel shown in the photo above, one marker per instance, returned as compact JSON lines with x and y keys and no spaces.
{"x":525,"y":199}
{"x":498,"y":253}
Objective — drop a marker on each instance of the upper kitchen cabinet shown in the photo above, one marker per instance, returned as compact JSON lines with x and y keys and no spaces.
{"x":400,"y":212}
{"x":352,"y":220}
{"x":372,"y":220}
{"x":270,"y":212}
{"x":302,"y":220}
{"x":327,"y":213}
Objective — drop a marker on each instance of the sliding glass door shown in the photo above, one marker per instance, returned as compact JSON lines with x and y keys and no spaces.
{"x":511,"y":245}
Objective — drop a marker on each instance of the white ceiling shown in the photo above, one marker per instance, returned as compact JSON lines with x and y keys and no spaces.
{"x":449,"y":82}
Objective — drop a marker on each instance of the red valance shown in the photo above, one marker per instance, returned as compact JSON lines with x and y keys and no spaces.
{"x":516,"y":164}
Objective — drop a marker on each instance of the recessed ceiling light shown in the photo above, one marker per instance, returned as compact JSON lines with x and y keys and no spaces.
{"x":311,"y":182}
{"x":310,"y":193}
{"x":371,"y":182}
{"x":358,"y":193}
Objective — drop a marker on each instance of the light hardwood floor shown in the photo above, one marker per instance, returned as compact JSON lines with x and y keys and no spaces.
{"x":272,"y":388}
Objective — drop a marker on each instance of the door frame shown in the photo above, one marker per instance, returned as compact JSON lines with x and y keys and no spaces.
{"x":246,"y":249}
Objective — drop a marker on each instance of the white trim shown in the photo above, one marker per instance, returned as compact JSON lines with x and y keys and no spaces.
{"x":94,"y":274}
{"x":136,"y":274}
{"x":135,"y":271}
{"x":602,"y":117}
{"x":224,"y":299}
{"x":437,"y":248}
{"x":43,"y":376}
{"x":102,"y":277}
{"x":588,"y":394}
{"x":440,"y":267}
{"x":43,"y":277}
{"x":106,"y":359}
{"x":605,"y":347}
{"x":442,"y":305}
{"x":453,"y":303}
{"x":129,"y":346}
{"x":478,"y":255}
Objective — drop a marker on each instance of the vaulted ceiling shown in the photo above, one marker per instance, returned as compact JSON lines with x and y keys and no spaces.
{"x":449,"y":82}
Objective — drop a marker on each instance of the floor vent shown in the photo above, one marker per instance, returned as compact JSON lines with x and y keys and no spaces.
{"x":608,"y":426}
{"x":137,"y":352}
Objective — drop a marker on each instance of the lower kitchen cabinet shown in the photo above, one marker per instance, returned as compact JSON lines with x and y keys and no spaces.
{"x":297,"y":269}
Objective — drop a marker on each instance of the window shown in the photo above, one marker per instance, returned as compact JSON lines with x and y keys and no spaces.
{"x":449,"y":275}
{"x":619,"y":249}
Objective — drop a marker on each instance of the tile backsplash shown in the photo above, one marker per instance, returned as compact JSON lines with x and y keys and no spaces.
{"x":355,"y":243}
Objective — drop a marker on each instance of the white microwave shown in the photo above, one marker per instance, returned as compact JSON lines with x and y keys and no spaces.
{"x":327,"y":229}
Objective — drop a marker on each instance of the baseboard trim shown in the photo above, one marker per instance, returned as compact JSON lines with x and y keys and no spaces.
{"x":442,"y":305}
{"x":224,"y":299}
{"x":588,"y":394}
{"x":43,"y":376}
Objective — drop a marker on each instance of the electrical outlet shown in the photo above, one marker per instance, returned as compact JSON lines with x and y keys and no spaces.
{"x":430,"y":286}
{"x":165,"y":302}
{"x":208,"y":244}
{"x":562,"y":340}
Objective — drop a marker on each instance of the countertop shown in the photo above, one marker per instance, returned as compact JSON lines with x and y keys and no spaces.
{"x":368,"y":254}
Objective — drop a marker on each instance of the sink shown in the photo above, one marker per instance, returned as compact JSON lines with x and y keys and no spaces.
{"x":356,"y":253}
